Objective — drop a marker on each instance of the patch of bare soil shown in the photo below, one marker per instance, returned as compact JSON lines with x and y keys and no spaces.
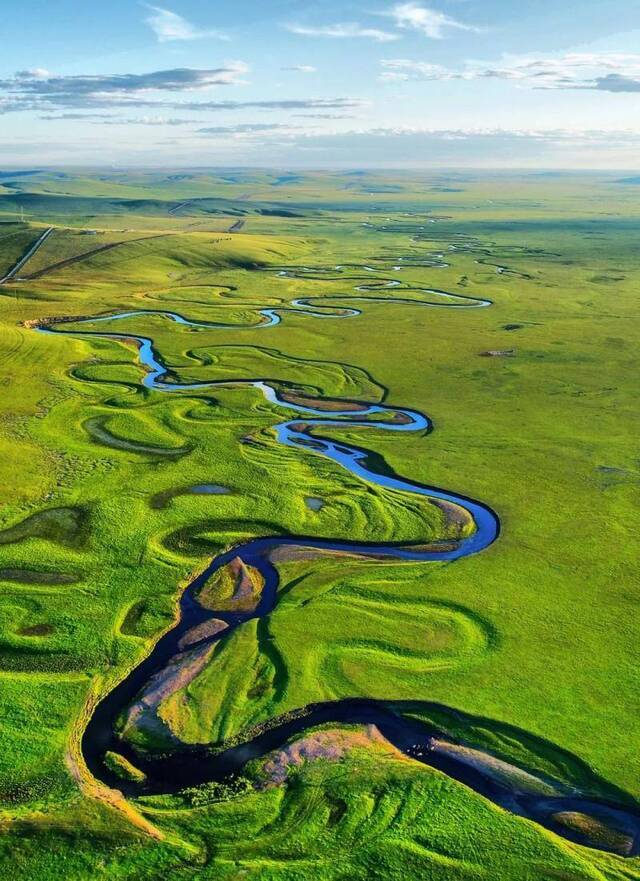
{"x":322,"y":403}
{"x":179,"y":672}
{"x":501,"y":771}
{"x":333,"y":745}
{"x":203,"y":631}
{"x":457,"y":518}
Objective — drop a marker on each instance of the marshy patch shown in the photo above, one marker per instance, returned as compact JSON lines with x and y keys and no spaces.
{"x":162,"y":499}
{"x":612,"y":476}
{"x":131,"y":621}
{"x":143,"y":618}
{"x":606,"y":278}
{"x":606,"y":830}
{"x":38,"y":659}
{"x":65,"y":526}
{"x":498,"y":353}
{"x":314,"y":503}
{"x":30,"y":576}
{"x":43,"y":629}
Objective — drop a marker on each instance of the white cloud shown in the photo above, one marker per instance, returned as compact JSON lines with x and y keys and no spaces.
{"x":430,"y":22}
{"x":343,"y":30}
{"x":169,"y":25}
{"x":472,"y":147}
{"x":26,"y":90}
{"x":324,"y":116}
{"x":462,"y":134}
{"x":250,"y":129}
{"x":401,"y":69}
{"x":606,"y":72}
{"x":301,"y":68}
{"x":114,"y":119}
{"x":35,"y":73}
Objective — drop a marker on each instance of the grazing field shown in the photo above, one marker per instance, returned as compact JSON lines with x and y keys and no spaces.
{"x":152,"y":349}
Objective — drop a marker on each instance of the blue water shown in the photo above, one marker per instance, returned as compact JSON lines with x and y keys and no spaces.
{"x":301,"y":435}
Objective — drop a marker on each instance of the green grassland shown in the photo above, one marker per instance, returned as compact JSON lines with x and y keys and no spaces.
{"x":533,"y":641}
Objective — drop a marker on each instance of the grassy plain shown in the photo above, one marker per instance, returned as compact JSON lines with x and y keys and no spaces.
{"x":535,"y":639}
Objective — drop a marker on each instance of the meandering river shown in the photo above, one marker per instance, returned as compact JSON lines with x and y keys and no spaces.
{"x":304,"y":429}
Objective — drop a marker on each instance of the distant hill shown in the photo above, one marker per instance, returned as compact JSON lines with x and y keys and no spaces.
{"x":5,"y":175}
{"x":49,"y":205}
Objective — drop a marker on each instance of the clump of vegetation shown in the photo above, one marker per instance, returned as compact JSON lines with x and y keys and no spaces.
{"x":208,"y":793}
{"x":123,"y":768}
{"x":236,"y":586}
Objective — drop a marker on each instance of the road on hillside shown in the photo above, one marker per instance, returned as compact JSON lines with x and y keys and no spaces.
{"x":26,"y":257}
{"x":178,"y":207}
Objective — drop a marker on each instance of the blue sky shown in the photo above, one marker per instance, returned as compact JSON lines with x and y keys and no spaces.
{"x":541,"y":83}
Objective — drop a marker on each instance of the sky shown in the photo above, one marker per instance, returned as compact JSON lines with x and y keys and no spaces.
{"x":324,"y":84}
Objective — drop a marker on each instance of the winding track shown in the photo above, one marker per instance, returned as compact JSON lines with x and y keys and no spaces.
{"x":191,"y":766}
